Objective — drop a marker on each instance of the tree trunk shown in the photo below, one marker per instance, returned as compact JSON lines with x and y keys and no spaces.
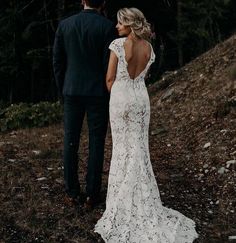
{"x":179,"y":33}
{"x":61,"y":8}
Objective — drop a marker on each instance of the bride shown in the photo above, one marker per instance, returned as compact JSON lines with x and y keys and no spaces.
{"x":134,"y":212}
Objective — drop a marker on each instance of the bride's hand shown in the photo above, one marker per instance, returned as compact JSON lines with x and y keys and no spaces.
{"x":109,"y":84}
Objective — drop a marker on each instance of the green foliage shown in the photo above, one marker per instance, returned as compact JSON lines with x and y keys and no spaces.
{"x":24,"y":115}
{"x":200,"y":25}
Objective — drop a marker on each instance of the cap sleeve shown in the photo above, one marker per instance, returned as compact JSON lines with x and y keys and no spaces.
{"x":114,"y":47}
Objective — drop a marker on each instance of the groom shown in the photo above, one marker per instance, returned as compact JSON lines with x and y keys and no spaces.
{"x":80,"y":59}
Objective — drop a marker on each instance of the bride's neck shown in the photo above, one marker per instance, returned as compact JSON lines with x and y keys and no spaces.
{"x":133,"y":37}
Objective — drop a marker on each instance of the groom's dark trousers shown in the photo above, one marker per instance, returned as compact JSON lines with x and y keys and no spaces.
{"x":80,"y":59}
{"x":96,"y":109}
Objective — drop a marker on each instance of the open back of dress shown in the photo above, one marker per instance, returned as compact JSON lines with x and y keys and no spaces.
{"x":137,"y":57}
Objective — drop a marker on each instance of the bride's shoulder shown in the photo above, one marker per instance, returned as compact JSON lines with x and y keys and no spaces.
{"x":116,"y":46}
{"x":119,"y":41}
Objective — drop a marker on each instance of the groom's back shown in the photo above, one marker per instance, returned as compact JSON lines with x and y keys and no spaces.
{"x":86,"y":37}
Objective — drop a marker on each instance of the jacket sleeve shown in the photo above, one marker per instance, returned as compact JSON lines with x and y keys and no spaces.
{"x":59,"y":59}
{"x":110,"y":36}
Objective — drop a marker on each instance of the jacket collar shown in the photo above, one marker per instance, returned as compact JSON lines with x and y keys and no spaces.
{"x":90,"y":11}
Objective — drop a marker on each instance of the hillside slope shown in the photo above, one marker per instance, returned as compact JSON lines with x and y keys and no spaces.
{"x":193,"y":128}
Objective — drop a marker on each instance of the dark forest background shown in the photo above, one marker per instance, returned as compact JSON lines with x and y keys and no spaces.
{"x":184,"y":29}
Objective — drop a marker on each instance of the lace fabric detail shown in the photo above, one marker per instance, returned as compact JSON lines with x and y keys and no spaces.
{"x":134,"y":212}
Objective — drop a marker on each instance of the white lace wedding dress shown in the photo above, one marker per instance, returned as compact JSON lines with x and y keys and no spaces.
{"x":134,"y":212}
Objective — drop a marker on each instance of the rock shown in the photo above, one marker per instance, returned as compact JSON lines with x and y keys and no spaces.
{"x":36,"y":152}
{"x":223,"y":131}
{"x":222,"y":170}
{"x":207,"y":145}
{"x":59,"y":181}
{"x":176,"y":175}
{"x":232,"y":101}
{"x":188,"y":156}
{"x":225,"y":58}
{"x":233,"y":153}
{"x":44,"y":187}
{"x":41,"y":179}
{"x":159,"y":131}
{"x":230,"y":162}
{"x":167,"y":94}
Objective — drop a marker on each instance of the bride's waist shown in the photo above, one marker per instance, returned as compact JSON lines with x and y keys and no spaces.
{"x":130,"y":83}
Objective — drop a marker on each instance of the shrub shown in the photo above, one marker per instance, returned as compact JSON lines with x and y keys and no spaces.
{"x":24,"y":115}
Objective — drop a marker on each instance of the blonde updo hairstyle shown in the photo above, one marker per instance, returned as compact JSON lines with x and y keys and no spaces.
{"x":135,"y":19}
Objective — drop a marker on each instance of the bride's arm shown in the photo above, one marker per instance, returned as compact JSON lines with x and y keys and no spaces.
{"x":111,"y":71}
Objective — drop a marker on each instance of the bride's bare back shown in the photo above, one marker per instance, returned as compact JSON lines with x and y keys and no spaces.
{"x":137,"y":55}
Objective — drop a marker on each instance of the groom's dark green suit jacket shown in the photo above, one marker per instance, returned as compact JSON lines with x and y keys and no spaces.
{"x":80,"y":54}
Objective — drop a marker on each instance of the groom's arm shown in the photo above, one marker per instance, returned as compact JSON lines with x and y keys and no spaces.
{"x":59,"y":60}
{"x":109,"y":37}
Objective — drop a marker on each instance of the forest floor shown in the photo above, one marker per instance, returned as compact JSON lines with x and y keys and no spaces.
{"x":192,"y":149}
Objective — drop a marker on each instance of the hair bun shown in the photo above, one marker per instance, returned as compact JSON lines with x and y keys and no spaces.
{"x":134,"y":18}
